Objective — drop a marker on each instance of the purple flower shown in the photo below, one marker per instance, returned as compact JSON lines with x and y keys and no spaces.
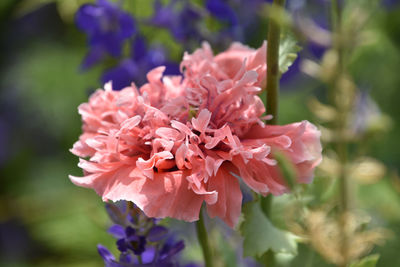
{"x":122,"y":75}
{"x":157,"y":233}
{"x":223,"y":11}
{"x":108,"y":258}
{"x":107,"y":27}
{"x":237,"y":23}
{"x":128,"y":239}
{"x":135,"y":68}
{"x":181,"y":19}
{"x":140,"y":240}
{"x":390,"y":3}
{"x":187,"y":26}
{"x":164,"y":15}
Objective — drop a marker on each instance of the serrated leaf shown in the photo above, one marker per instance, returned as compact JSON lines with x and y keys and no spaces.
{"x":260,"y":235}
{"x":288,"y":49}
{"x":369,"y":261}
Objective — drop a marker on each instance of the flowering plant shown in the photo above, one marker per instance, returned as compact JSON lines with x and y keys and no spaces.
{"x":168,"y":142}
{"x":175,"y":142}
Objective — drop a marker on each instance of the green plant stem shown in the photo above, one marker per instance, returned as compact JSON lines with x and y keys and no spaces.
{"x":140,"y":259}
{"x":273,"y":74}
{"x":203,"y":240}
{"x":341,"y":146}
{"x":343,"y":202}
{"x":266,"y":203}
{"x":272,"y":101}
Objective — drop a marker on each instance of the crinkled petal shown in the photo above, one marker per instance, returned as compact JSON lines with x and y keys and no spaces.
{"x":166,"y":195}
{"x":229,"y":203}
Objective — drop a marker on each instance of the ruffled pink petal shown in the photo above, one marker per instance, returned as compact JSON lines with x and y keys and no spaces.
{"x":181,"y":127}
{"x":201,"y":122}
{"x":167,"y":195}
{"x":80,"y":148}
{"x":180,"y":156}
{"x":229,"y":204}
{"x":210,"y":197}
{"x":231,"y":60}
{"x":261,"y":177}
{"x":146,"y":166}
{"x":130,"y":123}
{"x":169,"y":133}
{"x":245,"y":173}
{"x":300,"y":142}
{"x":212,"y":165}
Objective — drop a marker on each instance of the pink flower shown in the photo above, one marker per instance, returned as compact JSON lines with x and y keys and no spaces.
{"x":227,"y":84}
{"x":176,"y":143}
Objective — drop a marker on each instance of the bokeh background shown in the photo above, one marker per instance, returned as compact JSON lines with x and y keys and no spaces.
{"x":47,"y":221}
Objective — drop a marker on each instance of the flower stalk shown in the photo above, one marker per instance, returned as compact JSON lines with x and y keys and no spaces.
{"x":203,"y":240}
{"x":341,"y":146}
{"x":273,"y":74}
{"x":272,"y":101}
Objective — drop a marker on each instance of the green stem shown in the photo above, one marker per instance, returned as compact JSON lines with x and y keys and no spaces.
{"x":140,"y":259}
{"x":341,"y":146}
{"x":343,"y":202}
{"x":266,"y":203}
{"x":273,"y":74}
{"x":203,"y":240}
{"x":272,"y":101}
{"x":335,"y":15}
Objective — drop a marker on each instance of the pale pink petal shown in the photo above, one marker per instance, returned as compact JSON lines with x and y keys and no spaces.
{"x":247,"y":176}
{"x":162,"y":144}
{"x":167,"y":195}
{"x":168,"y":133}
{"x":201,"y":122}
{"x":181,"y":127}
{"x":304,"y":148}
{"x":210,"y":163}
{"x":146,"y":166}
{"x":210,"y":197}
{"x":228,"y":206}
{"x":80,"y":148}
{"x":131,"y":123}
{"x":180,"y":156}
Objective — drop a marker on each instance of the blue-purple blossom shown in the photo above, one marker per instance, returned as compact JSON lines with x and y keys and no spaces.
{"x":128,"y":239}
{"x":240,"y":21}
{"x":223,"y":11}
{"x":182,"y":19}
{"x":390,"y":3}
{"x":107,"y":28}
{"x":135,"y":68}
{"x":140,"y":240}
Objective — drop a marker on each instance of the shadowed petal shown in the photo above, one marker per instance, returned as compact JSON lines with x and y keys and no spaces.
{"x":229,"y":204}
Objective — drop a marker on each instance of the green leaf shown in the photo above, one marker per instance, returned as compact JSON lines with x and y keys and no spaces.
{"x":369,"y":261}
{"x":287,"y":169}
{"x":287,"y":51}
{"x":260,"y":235}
